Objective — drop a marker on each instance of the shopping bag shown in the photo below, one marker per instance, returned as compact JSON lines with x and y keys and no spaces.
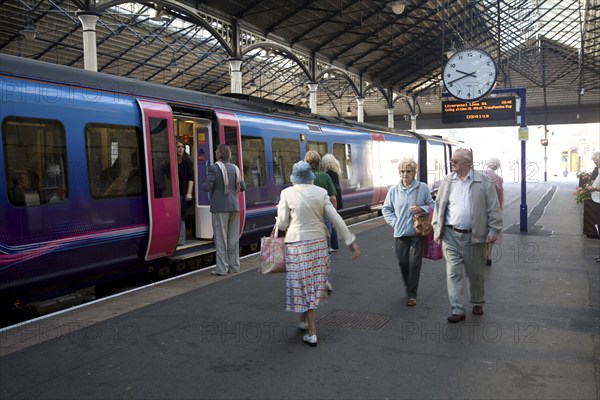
{"x":272,"y":254}
{"x":432,"y":250}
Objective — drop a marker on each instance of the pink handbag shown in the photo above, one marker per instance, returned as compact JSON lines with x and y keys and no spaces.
{"x":432,"y":250}
{"x":272,"y":254}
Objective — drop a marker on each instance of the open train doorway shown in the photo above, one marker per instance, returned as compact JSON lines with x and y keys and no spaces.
{"x":196,"y":135}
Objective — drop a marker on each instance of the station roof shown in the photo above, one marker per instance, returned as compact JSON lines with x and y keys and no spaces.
{"x":389,"y":52}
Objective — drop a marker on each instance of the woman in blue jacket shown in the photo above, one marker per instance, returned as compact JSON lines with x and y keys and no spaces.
{"x":404,"y":199}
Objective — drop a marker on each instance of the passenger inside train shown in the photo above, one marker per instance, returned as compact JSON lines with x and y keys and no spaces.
{"x":21,"y":193}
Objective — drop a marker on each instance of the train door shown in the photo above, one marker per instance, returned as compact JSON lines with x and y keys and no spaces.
{"x":229,"y":134}
{"x":379,"y":187}
{"x":195,"y":134}
{"x":201,"y":153}
{"x":161,"y":179}
{"x":574,"y":161}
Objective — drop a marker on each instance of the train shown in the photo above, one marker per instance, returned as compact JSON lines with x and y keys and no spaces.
{"x":576,"y":159}
{"x":90,"y":194}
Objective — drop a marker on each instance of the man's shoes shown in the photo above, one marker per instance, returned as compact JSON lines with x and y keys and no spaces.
{"x":216,"y":273}
{"x":454,"y":318}
{"x":477,"y":310}
{"x":310,"y":340}
{"x":488,"y":263}
{"x":411,"y":302}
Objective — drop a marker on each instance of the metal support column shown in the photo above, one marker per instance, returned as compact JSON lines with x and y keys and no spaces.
{"x":90,"y":56}
{"x":360,"y":113}
{"x":390,"y":115}
{"x":312,"y":87}
{"x":235,"y":68}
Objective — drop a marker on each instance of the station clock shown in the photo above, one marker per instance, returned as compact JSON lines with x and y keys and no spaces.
{"x":470,"y":74}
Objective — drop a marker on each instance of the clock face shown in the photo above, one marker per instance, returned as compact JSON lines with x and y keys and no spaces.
{"x":470,"y":74}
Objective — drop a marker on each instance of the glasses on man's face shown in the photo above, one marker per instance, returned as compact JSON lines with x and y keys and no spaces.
{"x":406,"y":171}
{"x":456,"y":161}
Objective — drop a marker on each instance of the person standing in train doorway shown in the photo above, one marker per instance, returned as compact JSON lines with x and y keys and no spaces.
{"x":467,"y":217}
{"x":185,"y":175}
{"x":403,"y":200}
{"x":323,"y":180}
{"x":224,"y":182}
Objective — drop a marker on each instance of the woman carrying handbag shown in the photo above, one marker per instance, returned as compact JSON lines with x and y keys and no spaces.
{"x":300,"y":213}
{"x":407,"y":198}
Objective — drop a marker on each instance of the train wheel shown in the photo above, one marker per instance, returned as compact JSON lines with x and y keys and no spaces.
{"x":244,"y":250}
{"x":208,"y":259}
{"x":195,"y":264}
{"x":163,"y":271}
{"x":181,"y":267}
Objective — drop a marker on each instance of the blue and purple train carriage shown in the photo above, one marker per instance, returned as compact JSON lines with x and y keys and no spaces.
{"x":89,"y":191}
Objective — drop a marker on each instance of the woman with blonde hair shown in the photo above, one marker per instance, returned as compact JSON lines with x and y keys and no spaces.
{"x":331,"y":166}
{"x":405,"y":199}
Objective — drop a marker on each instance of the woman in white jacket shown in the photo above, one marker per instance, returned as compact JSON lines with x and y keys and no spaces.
{"x":300,"y":213}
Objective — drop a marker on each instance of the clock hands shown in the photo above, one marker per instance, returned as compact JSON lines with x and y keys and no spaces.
{"x":465,"y":74}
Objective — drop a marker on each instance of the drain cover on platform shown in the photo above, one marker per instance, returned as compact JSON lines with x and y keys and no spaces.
{"x":355,"y":319}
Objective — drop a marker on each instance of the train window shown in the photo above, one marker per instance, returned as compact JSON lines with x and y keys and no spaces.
{"x":254,"y":161}
{"x":285,"y":153}
{"x":319,"y":147}
{"x":343,"y":153}
{"x":435,"y":166}
{"x":161,"y":159}
{"x":113,"y":158}
{"x":36,"y":160}
{"x":231,"y":141}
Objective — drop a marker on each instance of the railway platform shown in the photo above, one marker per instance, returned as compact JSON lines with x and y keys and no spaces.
{"x":204,"y":337}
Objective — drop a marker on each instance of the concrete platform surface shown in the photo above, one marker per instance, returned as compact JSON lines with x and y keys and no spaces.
{"x":206,"y":337}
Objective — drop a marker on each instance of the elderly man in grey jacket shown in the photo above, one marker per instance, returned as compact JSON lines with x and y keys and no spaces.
{"x":224,"y":183}
{"x":467,"y":217}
